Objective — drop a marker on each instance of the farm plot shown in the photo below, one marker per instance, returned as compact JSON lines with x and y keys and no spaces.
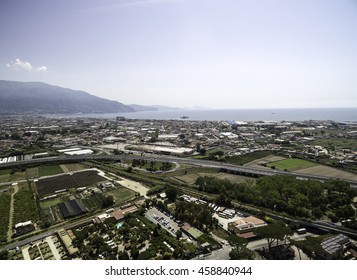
{"x":51,"y":185}
{"x":71,"y":167}
{"x":48,"y":170}
{"x":32,"y":172}
{"x":93,"y":202}
{"x":88,"y":177}
{"x":330,"y":171}
{"x":17,"y":176}
{"x":25,"y":208}
{"x":265,"y":160}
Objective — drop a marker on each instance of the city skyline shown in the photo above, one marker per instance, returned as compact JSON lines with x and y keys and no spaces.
{"x":185,"y":53}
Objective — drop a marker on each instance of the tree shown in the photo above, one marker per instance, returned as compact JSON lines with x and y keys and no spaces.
{"x":236,"y":241}
{"x":178,"y":234}
{"x":4,"y":255}
{"x":108,"y":201}
{"x":273,"y":232}
{"x":241,"y":253}
{"x":311,"y":246}
{"x":171,"y":193}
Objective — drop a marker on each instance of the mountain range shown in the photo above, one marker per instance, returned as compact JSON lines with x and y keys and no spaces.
{"x":41,"y":98}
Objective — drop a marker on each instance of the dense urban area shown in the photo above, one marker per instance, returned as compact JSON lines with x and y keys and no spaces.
{"x":119,"y":189}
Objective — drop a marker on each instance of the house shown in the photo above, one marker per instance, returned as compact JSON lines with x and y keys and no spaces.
{"x":244,"y":227}
{"x":72,"y":208}
{"x":191,"y":231}
{"x":23,"y":228}
{"x":334,"y":247}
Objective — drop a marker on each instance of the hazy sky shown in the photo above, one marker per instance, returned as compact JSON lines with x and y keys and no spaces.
{"x":210,"y":53}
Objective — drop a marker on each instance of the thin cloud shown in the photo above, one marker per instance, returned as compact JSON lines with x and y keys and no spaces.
{"x":123,"y":3}
{"x":19,"y":65}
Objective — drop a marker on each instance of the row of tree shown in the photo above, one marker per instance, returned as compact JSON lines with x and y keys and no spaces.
{"x":283,"y":193}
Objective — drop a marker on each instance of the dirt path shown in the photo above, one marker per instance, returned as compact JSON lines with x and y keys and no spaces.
{"x":9,"y":232}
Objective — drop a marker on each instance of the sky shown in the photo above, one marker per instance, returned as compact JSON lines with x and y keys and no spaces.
{"x":210,"y":53}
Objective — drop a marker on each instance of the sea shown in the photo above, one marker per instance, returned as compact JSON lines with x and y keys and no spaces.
{"x":288,"y":114}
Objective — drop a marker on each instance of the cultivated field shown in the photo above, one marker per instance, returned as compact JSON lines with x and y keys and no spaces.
{"x":291,"y":164}
{"x":5,"y":200}
{"x":51,"y":185}
{"x":328,"y":171}
{"x":265,"y":160}
{"x":48,"y":170}
{"x":71,"y":167}
{"x":32,"y":172}
{"x":25,"y":208}
{"x":7,"y":175}
{"x":4,"y":175}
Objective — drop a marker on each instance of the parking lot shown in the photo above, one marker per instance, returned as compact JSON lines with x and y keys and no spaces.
{"x":167,"y":222}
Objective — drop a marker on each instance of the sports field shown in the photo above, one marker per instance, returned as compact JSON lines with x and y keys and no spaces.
{"x":291,"y":164}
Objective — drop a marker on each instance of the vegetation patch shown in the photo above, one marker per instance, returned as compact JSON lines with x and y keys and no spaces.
{"x":246,"y":158}
{"x":332,"y":143}
{"x":121,"y":195}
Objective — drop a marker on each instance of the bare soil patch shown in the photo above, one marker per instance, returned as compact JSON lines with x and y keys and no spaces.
{"x":330,"y":171}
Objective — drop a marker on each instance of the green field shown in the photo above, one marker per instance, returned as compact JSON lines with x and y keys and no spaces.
{"x":47,"y":170}
{"x":8,"y":175}
{"x":121,"y":195}
{"x":291,"y":164}
{"x":50,"y":202}
{"x":25,"y":208}
{"x":5,"y":175}
{"x":93,"y":202}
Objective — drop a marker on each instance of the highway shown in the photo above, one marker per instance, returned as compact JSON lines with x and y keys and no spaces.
{"x":243,"y":170}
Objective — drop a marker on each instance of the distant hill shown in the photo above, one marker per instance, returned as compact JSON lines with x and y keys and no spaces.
{"x":166,"y":108}
{"x":41,"y":98}
{"x":139,"y":108}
